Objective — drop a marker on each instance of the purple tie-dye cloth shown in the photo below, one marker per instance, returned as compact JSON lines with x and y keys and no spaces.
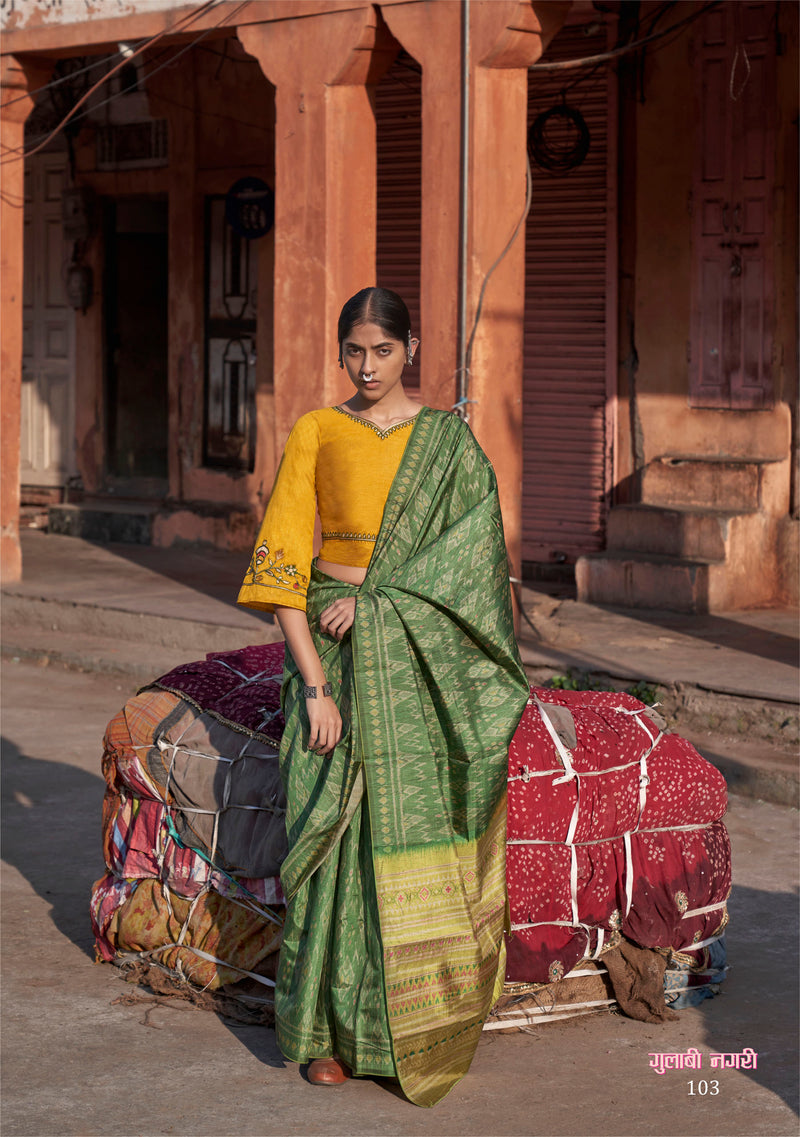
{"x":242,"y":688}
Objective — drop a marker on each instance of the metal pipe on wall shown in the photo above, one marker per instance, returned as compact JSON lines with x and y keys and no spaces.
{"x":462,"y":385}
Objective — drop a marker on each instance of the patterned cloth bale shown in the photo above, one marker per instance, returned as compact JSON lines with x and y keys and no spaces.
{"x":210,"y":941}
{"x":195,"y":805}
{"x":221,"y":783}
{"x":613,"y":829}
{"x":240,"y":688}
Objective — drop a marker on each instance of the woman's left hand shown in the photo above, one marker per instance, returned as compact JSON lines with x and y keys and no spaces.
{"x":338,"y":618}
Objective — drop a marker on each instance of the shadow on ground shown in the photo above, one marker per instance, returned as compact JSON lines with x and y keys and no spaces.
{"x":758,"y":1004}
{"x":51,"y":821}
{"x":51,"y":818}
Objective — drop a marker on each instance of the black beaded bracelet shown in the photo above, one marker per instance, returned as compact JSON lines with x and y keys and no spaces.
{"x":311,"y":692}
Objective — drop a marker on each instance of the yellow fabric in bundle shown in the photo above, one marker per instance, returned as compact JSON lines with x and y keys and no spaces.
{"x":342,"y":466}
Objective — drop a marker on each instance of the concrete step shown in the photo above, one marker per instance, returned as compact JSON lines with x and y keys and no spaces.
{"x":24,"y":616}
{"x":649,"y":580}
{"x":686,"y":532}
{"x":136,"y":663}
{"x":722,"y":483}
{"x":128,"y":524}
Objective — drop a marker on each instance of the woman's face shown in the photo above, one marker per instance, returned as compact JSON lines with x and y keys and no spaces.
{"x":374,"y":360}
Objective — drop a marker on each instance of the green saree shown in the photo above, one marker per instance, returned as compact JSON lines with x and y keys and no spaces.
{"x":395,"y":876}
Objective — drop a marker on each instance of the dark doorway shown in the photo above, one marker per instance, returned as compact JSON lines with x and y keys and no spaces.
{"x":136,"y":338}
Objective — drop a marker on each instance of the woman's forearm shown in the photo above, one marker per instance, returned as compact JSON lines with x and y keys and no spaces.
{"x":324,"y":720}
{"x":294,"y":625}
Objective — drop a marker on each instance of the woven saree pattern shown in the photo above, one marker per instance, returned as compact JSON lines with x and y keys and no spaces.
{"x":432,"y":688}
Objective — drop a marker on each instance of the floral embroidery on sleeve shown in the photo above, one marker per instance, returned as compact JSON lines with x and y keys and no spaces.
{"x":266,"y":567}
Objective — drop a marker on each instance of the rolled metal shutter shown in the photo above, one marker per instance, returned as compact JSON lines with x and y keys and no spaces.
{"x":570,"y":321}
{"x":398,"y":115}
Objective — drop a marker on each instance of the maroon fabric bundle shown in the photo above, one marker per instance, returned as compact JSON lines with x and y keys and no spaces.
{"x":613,"y":825}
{"x":241,"y":688}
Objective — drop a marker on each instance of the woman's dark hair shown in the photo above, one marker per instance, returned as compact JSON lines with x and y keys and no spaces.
{"x":378,"y":306}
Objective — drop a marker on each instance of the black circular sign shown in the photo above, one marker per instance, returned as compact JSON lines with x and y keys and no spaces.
{"x":250,"y":208}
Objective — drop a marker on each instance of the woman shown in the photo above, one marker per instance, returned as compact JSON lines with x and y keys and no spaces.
{"x":402,"y":689}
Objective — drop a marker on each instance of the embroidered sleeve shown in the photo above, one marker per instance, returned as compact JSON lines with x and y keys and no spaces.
{"x":281,"y":561}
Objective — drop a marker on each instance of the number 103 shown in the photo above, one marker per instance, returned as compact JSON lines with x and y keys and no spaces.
{"x":704,"y":1088}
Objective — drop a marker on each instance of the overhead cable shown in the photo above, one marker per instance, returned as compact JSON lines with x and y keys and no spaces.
{"x":127,"y":57}
{"x":592,"y":60}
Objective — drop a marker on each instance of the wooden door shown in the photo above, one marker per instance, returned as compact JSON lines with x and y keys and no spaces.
{"x":48,"y":373}
{"x":730,"y":353}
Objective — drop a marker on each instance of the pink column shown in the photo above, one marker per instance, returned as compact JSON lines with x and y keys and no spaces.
{"x":325,"y":190}
{"x":15,"y":105}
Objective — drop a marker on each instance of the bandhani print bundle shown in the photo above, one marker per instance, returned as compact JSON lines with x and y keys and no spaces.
{"x":614,"y":832}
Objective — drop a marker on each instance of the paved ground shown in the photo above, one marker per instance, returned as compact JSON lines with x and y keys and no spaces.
{"x":77,"y":1062}
{"x":728,"y":682}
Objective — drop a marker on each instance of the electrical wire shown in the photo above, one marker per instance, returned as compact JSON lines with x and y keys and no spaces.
{"x":460,"y":406}
{"x":180,"y":24}
{"x":64,"y":79}
{"x":173,"y":59}
{"x":190,"y":18}
{"x":21,"y":153}
{"x":587,"y":60}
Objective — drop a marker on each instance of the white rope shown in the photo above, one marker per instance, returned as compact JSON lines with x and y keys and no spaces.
{"x":628,"y":873}
{"x":563,"y":753}
{"x":548,"y":1016}
{"x":570,"y":774}
{"x":133,"y":955}
{"x":702,"y":911}
{"x":601,"y":935}
{"x":163,"y":744}
{"x":615,"y":837}
{"x":527,"y":774}
{"x":549,"y":1010}
{"x":573,"y":883}
{"x":702,"y":944}
{"x":235,"y":670}
{"x":587,"y":928}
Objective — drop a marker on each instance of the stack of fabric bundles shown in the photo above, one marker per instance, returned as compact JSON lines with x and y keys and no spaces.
{"x":618,"y":866}
{"x":193,"y":825}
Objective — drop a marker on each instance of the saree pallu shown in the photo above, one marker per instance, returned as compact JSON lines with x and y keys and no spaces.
{"x":395,"y":876}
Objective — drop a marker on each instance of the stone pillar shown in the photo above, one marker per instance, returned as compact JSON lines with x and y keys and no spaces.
{"x":15,"y":106}
{"x":506,"y":37}
{"x":432,"y":34}
{"x":325,"y":190}
{"x":175,"y":84}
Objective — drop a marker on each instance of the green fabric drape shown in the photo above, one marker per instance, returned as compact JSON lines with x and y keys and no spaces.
{"x":395,"y":874}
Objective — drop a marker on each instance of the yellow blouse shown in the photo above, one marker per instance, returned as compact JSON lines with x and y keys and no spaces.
{"x":342,"y":466}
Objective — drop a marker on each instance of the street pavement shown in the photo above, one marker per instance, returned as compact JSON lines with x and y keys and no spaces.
{"x":81,"y":1058}
{"x":728,"y":682}
{"x":84,"y":1053}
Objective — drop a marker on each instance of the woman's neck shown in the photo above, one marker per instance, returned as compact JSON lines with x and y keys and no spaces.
{"x":383,"y":413}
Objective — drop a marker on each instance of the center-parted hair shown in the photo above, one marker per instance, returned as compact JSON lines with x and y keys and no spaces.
{"x":378,"y":306}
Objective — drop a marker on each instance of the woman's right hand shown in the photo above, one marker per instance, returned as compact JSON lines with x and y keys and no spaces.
{"x":325,"y":724}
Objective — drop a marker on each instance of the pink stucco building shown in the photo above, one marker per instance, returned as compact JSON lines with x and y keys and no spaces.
{"x":632,"y":375}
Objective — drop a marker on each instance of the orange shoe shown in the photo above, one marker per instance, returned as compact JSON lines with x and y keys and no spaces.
{"x":328,"y":1072}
